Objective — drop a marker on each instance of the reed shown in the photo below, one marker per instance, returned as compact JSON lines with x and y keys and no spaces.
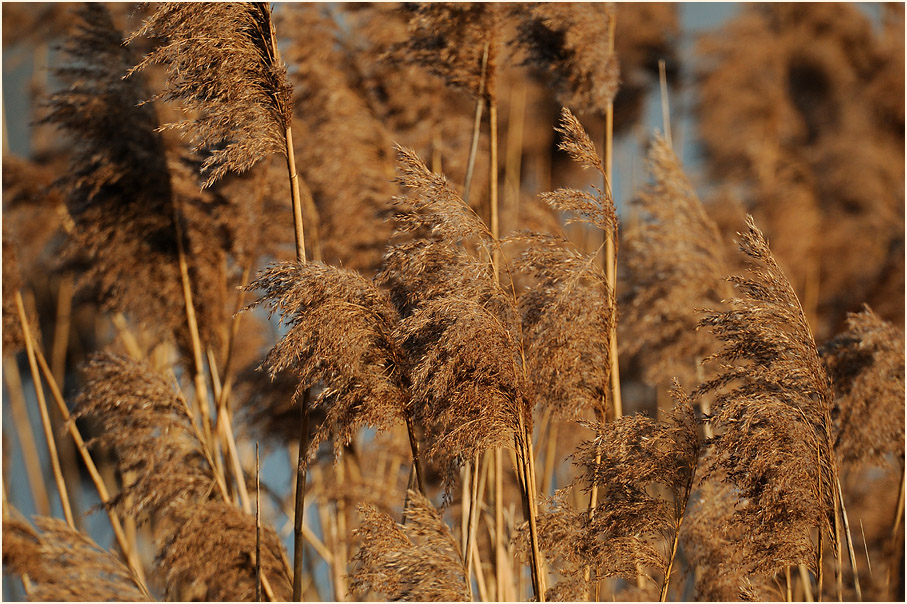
{"x":257,"y":261}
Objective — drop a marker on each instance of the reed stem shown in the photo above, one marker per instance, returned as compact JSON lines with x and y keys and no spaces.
{"x":22,"y":422}
{"x":45,"y":417}
{"x":477,"y":124}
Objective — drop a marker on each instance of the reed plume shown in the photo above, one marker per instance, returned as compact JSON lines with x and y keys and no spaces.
{"x":418,"y":561}
{"x":567,"y":316}
{"x":450,"y":39}
{"x":345,"y":158}
{"x":62,"y":564}
{"x":125,"y":191}
{"x":13,"y":338}
{"x":449,"y":300}
{"x":676,"y":266}
{"x":785,"y":89}
{"x":646,"y":32}
{"x":772,"y":417}
{"x":341,"y":334}
{"x":211,"y":557}
{"x":146,"y":423}
{"x":223,"y":65}
{"x":568,"y":42}
{"x":866,"y":364}
{"x":441,"y":247}
{"x":717,"y":546}
{"x":598,"y":209}
{"x":632,"y":527}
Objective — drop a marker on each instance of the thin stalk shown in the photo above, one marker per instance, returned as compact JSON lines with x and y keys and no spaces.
{"x":550,"y":457}
{"x":499,"y":545}
{"x":610,"y":243}
{"x":787,"y":585}
{"x":476,"y":560}
{"x":298,"y":228}
{"x":683,"y":508}
{"x":257,"y":525}
{"x":45,"y":417}
{"x":340,"y":558}
{"x":201,"y":389}
{"x":231,"y":343}
{"x":807,"y":585}
{"x":821,"y":574}
{"x":414,"y":447}
{"x":849,"y":537}
{"x":474,"y":148}
{"x":299,"y":510}
{"x":865,"y":548}
{"x":127,"y":337}
{"x":514,"y":156}
{"x":473,"y":513}
{"x":58,"y":351}
{"x":224,"y":427}
{"x":839,"y":563}
{"x":61,"y":327}
{"x":493,"y":182}
{"x":665,"y":108}
{"x":129,"y":553}
{"x":527,"y":469}
{"x":21,"y":420}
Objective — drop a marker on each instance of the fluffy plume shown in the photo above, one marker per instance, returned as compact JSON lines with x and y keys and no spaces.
{"x":631,"y":527}
{"x":442,"y":247}
{"x":646,"y":32}
{"x":413,"y":104}
{"x":717,"y":547}
{"x":772,"y":416}
{"x":121,"y":188}
{"x":595,"y":209}
{"x":340,"y":333}
{"x":416,"y":562}
{"x":567,"y":316}
{"x":223,"y":64}
{"x":211,"y":557}
{"x":13,"y":338}
{"x":343,"y":149}
{"x":468,"y":386}
{"x":31,"y":204}
{"x":867,"y":366}
{"x":459,"y":328}
{"x":449,"y":39}
{"x":64,"y":565}
{"x":569,"y":42}
{"x":784,"y":93}
{"x":677,"y":266}
{"x":146,"y":423}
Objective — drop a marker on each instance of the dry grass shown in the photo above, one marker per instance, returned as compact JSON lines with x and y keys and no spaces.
{"x":454,"y":355}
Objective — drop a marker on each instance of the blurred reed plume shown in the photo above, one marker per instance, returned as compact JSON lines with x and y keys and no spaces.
{"x":148,"y":425}
{"x":568,"y":42}
{"x":867,"y":365}
{"x":412,"y":358}
{"x":675,"y":259}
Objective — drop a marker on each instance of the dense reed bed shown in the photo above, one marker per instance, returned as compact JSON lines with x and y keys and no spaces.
{"x":413,"y":302}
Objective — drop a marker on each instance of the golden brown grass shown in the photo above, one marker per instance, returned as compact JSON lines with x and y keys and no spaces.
{"x":431,"y":377}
